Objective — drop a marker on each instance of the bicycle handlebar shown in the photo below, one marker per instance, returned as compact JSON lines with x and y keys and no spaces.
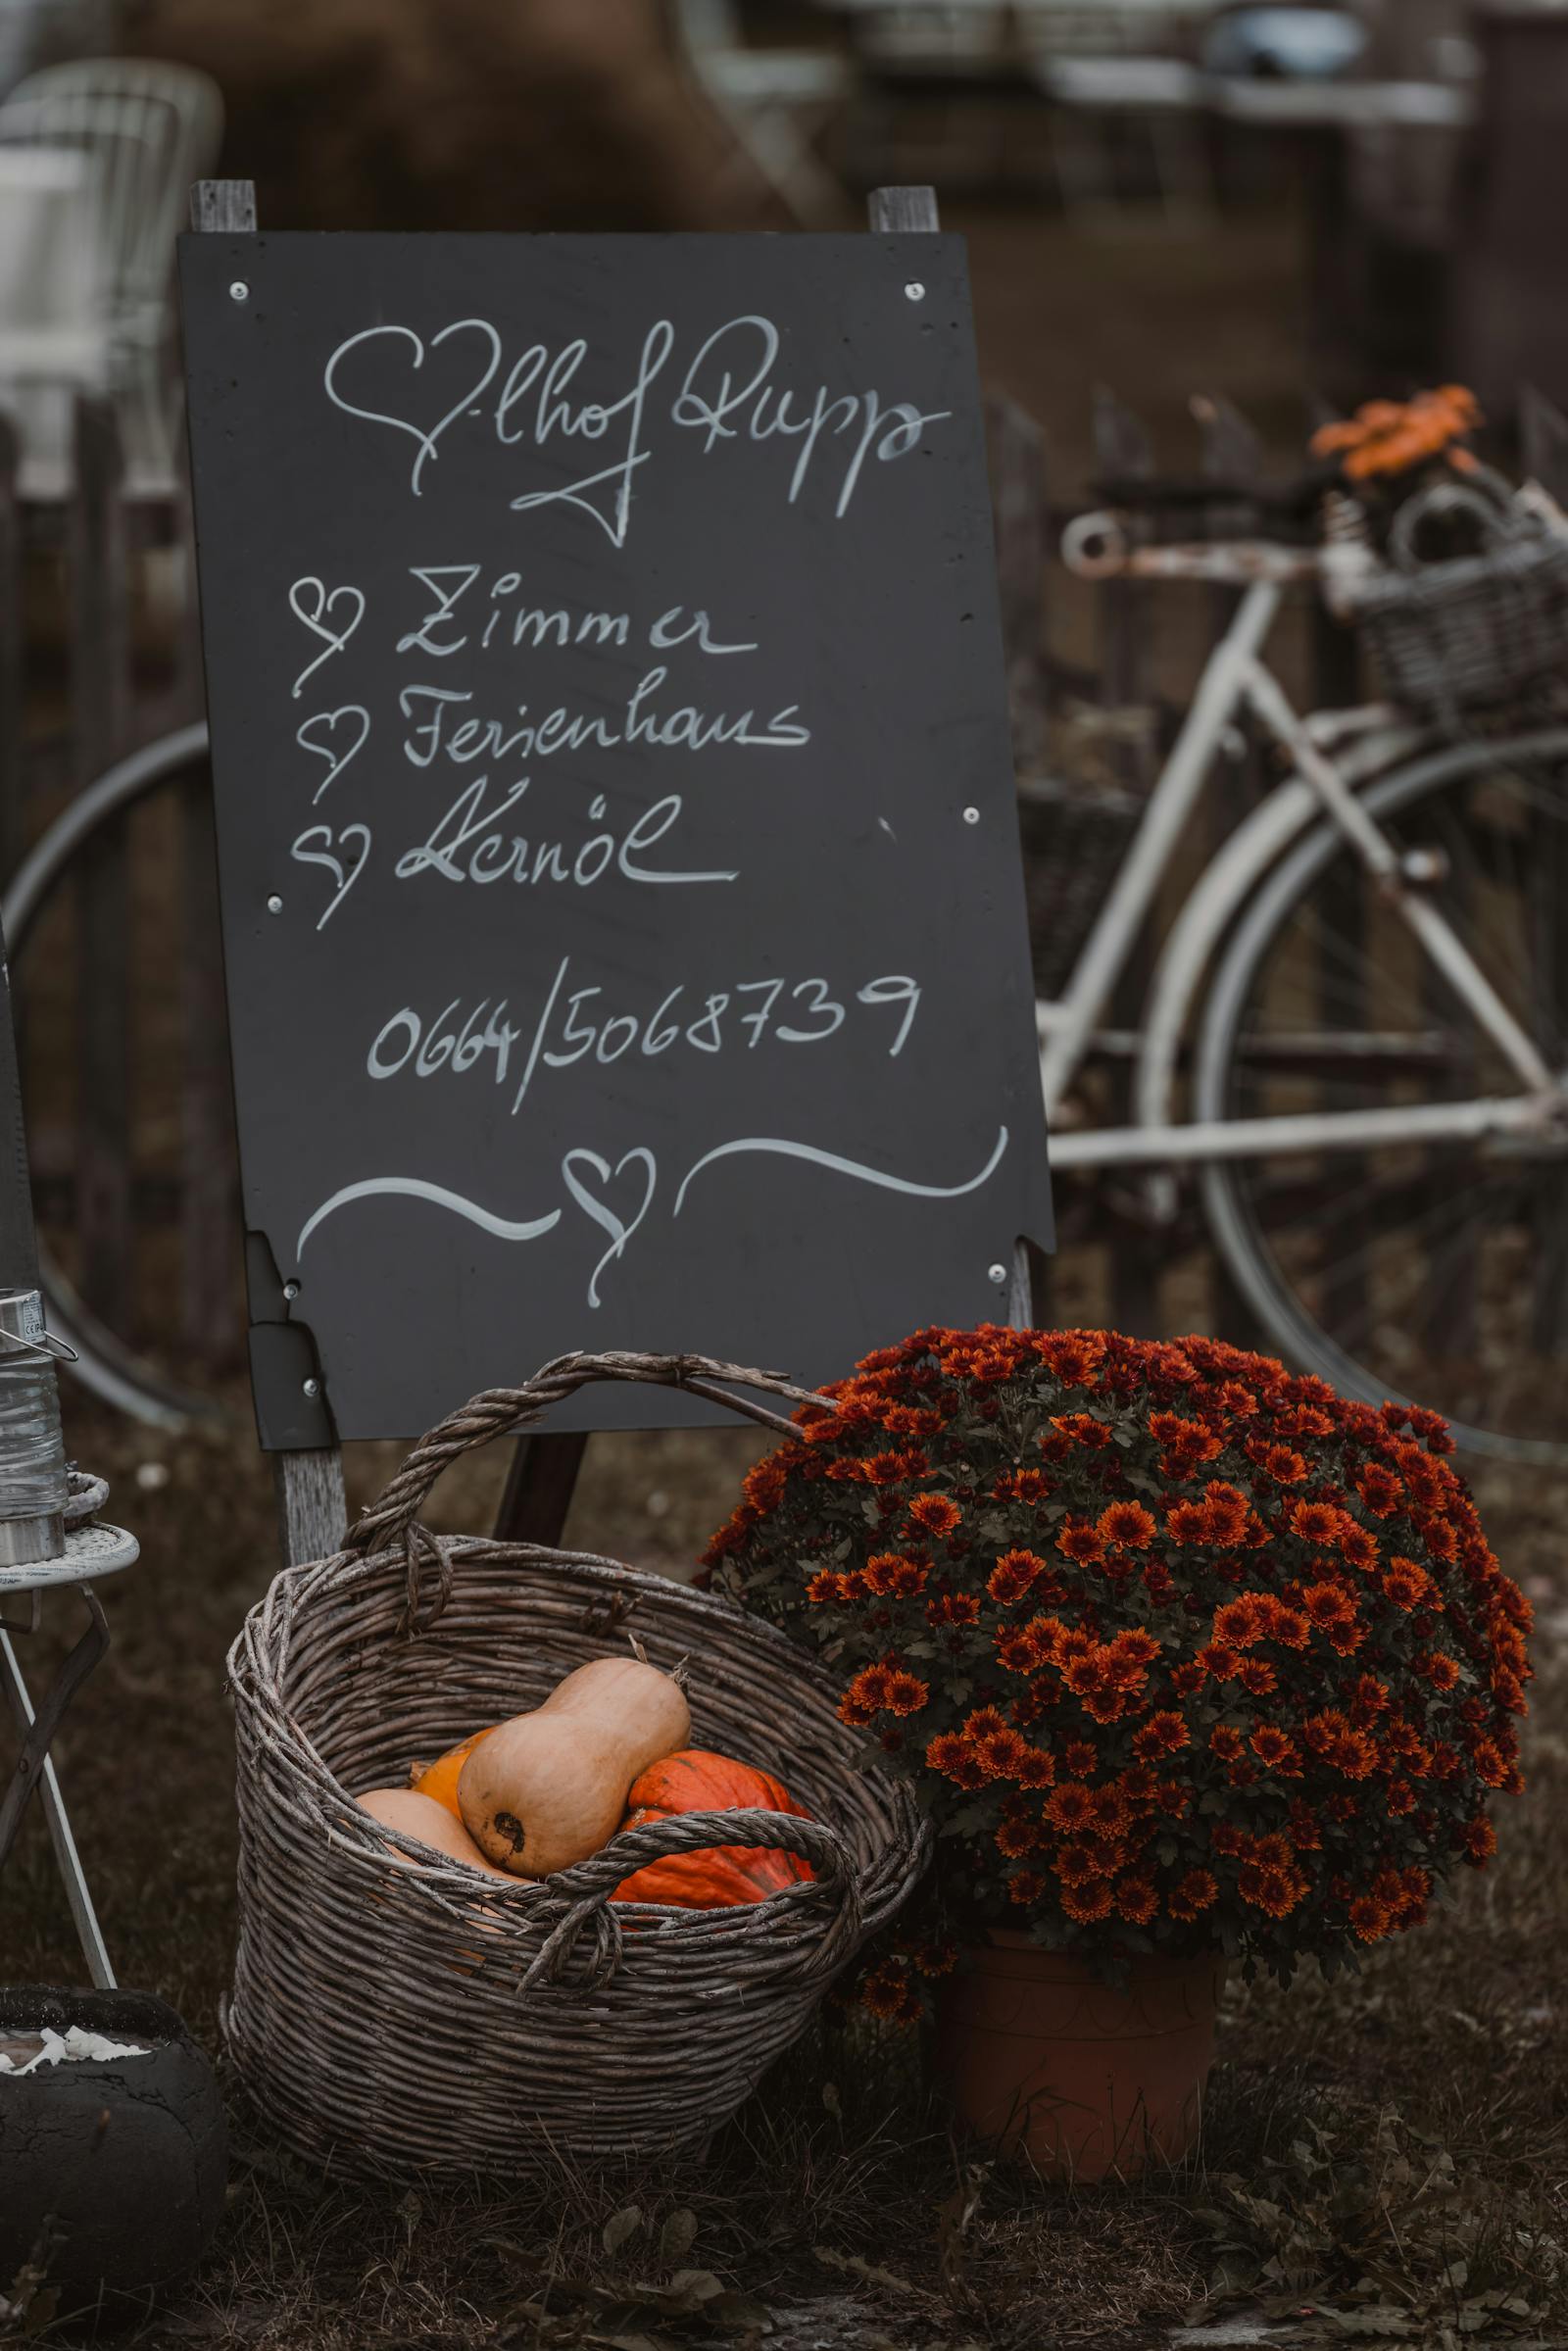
{"x":1099,"y":547}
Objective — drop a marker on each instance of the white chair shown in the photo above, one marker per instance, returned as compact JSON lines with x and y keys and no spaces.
{"x":149,"y":130}
{"x":54,"y":339}
{"x":775,"y":101}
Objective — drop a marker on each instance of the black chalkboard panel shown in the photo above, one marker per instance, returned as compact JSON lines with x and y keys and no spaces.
{"x":622,"y":899}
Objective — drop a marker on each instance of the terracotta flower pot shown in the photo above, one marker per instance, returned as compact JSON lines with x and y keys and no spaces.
{"x":1092,"y":2081}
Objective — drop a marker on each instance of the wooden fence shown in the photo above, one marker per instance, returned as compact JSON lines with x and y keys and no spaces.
{"x":119,"y":993}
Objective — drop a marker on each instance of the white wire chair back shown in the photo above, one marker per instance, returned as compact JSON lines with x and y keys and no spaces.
{"x":150,"y":128}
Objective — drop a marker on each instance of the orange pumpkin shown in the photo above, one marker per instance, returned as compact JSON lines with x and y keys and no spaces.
{"x":697,"y":1781}
{"x":439,"y":1780}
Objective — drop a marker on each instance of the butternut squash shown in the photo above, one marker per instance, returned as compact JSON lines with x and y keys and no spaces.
{"x":549,"y":1787}
{"x":414,"y":1815}
{"x":440,"y":1778}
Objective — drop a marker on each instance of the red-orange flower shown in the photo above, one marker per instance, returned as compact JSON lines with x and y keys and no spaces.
{"x":1380,"y":1490}
{"x":1280,"y":1462}
{"x":1480,"y":1839}
{"x":889,"y":1574}
{"x":1271,"y":1887}
{"x":1328,"y":1605}
{"x":1137,"y":1900}
{"x":1084,"y":1904}
{"x":1001,"y":1751}
{"x":1083,"y":1429}
{"x":1125,"y":1525}
{"x":1163,"y":1734}
{"x":1108,"y":1814}
{"x":1070,"y":1808}
{"x":1407,"y":1585}
{"x":1014,"y":1576}
{"x":1022,"y":1486}
{"x":1276,"y":1750}
{"x":1016,"y":1839}
{"x":1226,"y":1515}
{"x":934,"y":1513}
{"x":867,"y":1694}
{"x":1287,"y":1625}
{"x":887,"y":1991}
{"x":1190,"y":1442}
{"x":1315,"y":1522}
{"x":1078,"y":1864}
{"x":1196,"y":1892}
{"x":1186,"y":1522}
{"x":1241,"y":1622}
{"x":1081,"y":1541}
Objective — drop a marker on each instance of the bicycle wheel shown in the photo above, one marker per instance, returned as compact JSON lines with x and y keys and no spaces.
{"x":1433,"y":1272}
{"x":104,"y":1363}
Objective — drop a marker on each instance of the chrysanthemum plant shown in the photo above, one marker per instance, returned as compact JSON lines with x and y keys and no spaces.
{"x":1179,"y":1651}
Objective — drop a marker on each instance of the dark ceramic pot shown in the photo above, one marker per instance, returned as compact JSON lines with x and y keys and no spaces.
{"x":111,"y":2172}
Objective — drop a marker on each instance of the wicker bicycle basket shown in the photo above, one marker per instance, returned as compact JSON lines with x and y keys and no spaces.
{"x":1469,"y":632}
{"x":391,"y":2009}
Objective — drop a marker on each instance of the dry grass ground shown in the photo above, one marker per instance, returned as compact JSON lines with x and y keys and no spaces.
{"x":1386,"y":2159}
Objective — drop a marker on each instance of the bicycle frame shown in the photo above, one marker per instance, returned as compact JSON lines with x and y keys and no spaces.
{"x":1236,"y":677}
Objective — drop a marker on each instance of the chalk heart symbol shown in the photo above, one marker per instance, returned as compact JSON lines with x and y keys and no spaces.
{"x":605,"y":1216}
{"x":414,"y":350}
{"x":344,"y":876}
{"x":320,"y":735}
{"x":311,"y":602}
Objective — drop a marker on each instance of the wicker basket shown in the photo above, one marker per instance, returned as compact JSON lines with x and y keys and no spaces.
{"x":393,"y":2011}
{"x":1471,"y":632}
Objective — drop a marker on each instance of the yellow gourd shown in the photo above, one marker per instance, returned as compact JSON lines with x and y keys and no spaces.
{"x":549,"y":1787}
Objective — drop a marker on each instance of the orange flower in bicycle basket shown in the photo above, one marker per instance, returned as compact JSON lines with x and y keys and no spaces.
{"x":1387,"y":437}
{"x":1240,"y":1668}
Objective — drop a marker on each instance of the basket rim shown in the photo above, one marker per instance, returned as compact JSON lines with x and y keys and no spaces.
{"x":1454,"y":579}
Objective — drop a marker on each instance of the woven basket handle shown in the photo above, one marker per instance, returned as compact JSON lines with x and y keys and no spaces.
{"x":588,"y":1886}
{"x":1496,"y":518}
{"x":506,"y":1411}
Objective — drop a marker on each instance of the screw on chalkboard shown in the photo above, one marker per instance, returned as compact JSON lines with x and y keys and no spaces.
{"x":274,"y":905}
{"x":915,"y":291}
{"x":310,"y":1387}
{"x":291,"y":1289}
{"x":239,"y":291}
{"x":997,"y":1274}
{"x":971,"y":815}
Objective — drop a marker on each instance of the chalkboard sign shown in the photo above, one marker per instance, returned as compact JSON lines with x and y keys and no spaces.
{"x":619,"y":874}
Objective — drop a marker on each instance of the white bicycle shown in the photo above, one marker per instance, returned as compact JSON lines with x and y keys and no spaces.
{"x":1355,"y":1039}
{"x":1372,"y":977}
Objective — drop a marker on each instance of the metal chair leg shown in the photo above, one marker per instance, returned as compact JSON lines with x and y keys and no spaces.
{"x":36,"y":1769}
